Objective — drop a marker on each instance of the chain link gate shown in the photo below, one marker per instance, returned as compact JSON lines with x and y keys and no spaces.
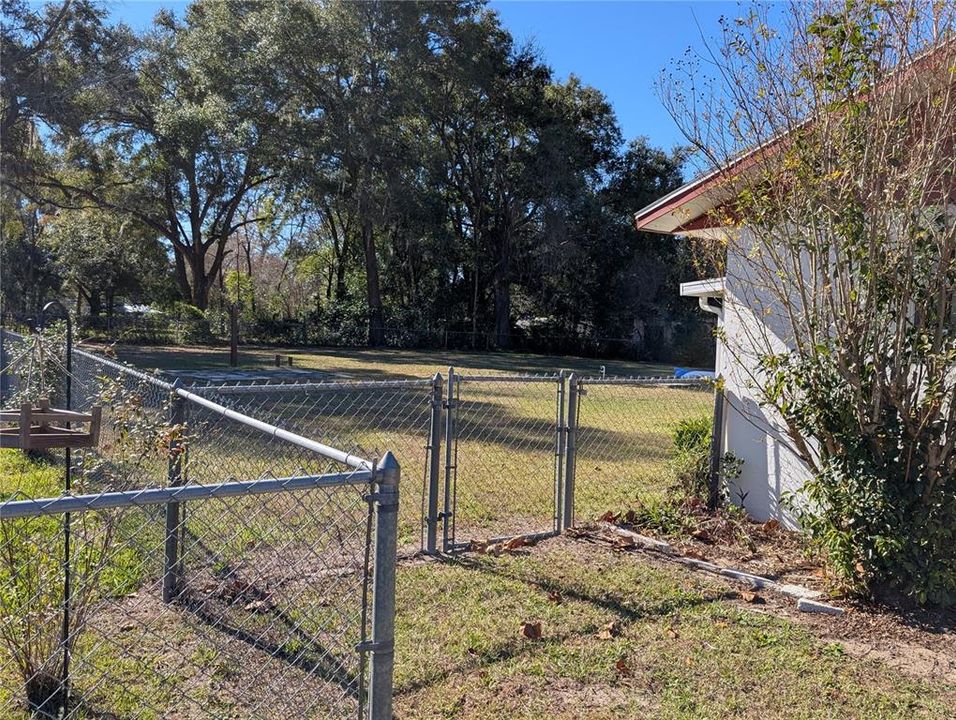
{"x":503,"y":457}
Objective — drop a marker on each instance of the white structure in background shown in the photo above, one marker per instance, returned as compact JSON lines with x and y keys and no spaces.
{"x":755,"y":434}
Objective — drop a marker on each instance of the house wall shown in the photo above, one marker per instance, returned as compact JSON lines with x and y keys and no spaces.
{"x":753,"y":324}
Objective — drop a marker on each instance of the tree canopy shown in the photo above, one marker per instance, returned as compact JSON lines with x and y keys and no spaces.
{"x":366,"y":166}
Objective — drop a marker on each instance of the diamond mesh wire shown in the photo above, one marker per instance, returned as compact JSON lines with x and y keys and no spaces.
{"x":263,"y":624}
{"x":504,"y":459}
{"x":624,"y":439}
{"x":271,"y":593}
{"x":364,"y":418}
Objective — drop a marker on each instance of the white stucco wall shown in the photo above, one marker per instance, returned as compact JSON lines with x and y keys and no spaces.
{"x":752,"y":324}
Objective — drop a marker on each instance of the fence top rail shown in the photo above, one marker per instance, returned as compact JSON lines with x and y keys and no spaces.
{"x":508,"y":378}
{"x":346,"y":458}
{"x":650,"y":380}
{"x":160,"y":496}
{"x":239,"y":388}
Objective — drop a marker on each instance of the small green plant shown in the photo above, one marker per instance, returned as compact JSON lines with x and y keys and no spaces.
{"x":691,"y":459}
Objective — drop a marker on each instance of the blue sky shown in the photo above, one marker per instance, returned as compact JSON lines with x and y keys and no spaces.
{"x":618,"y":47}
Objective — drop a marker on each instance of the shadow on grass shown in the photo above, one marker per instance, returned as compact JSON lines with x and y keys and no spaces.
{"x":313,"y":659}
{"x":515,"y":648}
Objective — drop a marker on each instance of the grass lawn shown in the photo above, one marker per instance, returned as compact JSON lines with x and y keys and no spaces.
{"x":368,"y":364}
{"x":621,"y":636}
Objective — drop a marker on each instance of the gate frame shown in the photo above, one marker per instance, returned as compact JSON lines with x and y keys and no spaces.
{"x":452,"y":405}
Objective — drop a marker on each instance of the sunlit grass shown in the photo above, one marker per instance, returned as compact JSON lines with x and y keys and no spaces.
{"x":685,"y":649}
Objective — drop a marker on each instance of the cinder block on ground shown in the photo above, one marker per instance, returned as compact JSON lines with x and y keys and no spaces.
{"x":807,"y":605}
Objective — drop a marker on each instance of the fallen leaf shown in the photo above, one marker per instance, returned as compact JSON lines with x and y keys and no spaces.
{"x":695,"y":554}
{"x":623,"y":542}
{"x":771,"y":526}
{"x":531,"y":630}
{"x":477,"y":546}
{"x":515,"y":543}
{"x":751,"y":597}
{"x":672,"y":633}
{"x":703,"y":536}
{"x":259,"y":606}
{"x":622,"y":668}
{"x":610,"y":630}
{"x":611,"y":517}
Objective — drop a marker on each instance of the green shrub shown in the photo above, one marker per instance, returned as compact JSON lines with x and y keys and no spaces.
{"x":180,"y":310}
{"x":690,"y":462}
{"x":885,"y":521}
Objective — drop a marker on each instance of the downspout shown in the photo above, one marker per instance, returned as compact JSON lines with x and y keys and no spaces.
{"x":704,"y":302}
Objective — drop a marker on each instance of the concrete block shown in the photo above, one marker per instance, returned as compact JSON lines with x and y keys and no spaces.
{"x":806,"y":605}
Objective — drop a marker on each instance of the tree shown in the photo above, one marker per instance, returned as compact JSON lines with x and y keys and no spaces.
{"x":102,"y":256}
{"x":835,"y":139}
{"x":28,"y":270}
{"x":355,"y":91}
{"x":54,"y":58}
{"x":179,"y":135}
{"x":482,"y":106}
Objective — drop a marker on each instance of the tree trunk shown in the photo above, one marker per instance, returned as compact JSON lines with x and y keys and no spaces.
{"x":376,"y":323}
{"x":502,"y":313}
{"x":199,"y":289}
{"x":502,"y":287}
{"x":95,"y":301}
{"x":252,"y":295}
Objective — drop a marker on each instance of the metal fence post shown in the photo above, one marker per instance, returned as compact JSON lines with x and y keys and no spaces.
{"x":713,"y":499}
{"x":174,"y":477}
{"x":571,"y":449}
{"x":559,"y":455}
{"x":448,"y":511}
{"x":3,"y":363}
{"x":382,"y":643}
{"x":434,"y":463}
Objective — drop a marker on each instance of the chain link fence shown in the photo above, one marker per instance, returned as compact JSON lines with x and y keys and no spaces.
{"x":202,"y":562}
{"x":234,"y":545}
{"x":363,"y":418}
{"x":623,"y":439}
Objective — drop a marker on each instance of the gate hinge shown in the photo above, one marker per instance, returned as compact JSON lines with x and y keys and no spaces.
{"x":385,"y":500}
{"x":376,"y":647}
